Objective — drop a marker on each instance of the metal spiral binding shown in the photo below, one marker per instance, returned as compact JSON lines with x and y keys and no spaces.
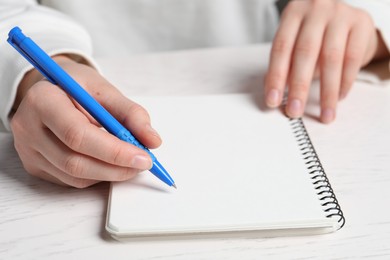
{"x":317,"y":174}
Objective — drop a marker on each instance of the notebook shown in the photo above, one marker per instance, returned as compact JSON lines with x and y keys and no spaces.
{"x":239,"y":169}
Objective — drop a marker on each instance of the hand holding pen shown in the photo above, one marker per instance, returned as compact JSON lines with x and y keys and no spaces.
{"x":57,"y":140}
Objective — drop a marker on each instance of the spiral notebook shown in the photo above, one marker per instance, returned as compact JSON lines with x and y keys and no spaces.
{"x":239,"y":169}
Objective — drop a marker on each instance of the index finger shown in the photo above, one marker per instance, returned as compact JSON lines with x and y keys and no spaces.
{"x":74,"y":129}
{"x":281,"y":52}
{"x":304,"y":60}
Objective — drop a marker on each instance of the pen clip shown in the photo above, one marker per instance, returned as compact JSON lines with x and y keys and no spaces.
{"x":30,"y":59}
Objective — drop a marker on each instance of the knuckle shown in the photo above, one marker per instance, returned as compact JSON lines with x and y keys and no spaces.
{"x":31,"y":169}
{"x":19,"y":148}
{"x":274,"y":78}
{"x":320,"y":3}
{"x":305,"y":50}
{"x":17,"y":125}
{"x":280,"y":46}
{"x":299,"y":86}
{"x":35,"y":95}
{"x":329,"y":96}
{"x":342,"y":8}
{"x":364,"y":16}
{"x":32,"y":96}
{"x":74,"y":137}
{"x":352,"y":56}
{"x":332,"y":56}
{"x":136,"y":109}
{"x":294,"y":6}
{"x":26,"y":156}
{"x":361,"y":17}
{"x":32,"y":172}
{"x":73,"y":166}
{"x":117,"y":155}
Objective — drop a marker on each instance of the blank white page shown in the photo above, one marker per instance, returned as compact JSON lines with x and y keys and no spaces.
{"x":237,"y":168}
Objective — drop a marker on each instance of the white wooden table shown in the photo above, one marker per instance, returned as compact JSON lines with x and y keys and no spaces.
{"x":39,"y":220}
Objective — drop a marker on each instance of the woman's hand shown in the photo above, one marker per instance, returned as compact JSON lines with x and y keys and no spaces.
{"x":59,"y":141}
{"x":324,"y":36}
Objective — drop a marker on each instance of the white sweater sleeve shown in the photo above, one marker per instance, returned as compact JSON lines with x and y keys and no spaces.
{"x":53,"y":31}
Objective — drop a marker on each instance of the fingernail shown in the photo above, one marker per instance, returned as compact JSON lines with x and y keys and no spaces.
{"x":327,"y":115}
{"x":141,"y":162}
{"x":294,"y":108}
{"x":273,"y":98}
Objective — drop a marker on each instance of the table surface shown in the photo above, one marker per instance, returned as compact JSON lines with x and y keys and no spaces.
{"x":41,"y":220}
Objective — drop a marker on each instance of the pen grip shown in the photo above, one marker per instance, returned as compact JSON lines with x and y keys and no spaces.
{"x":126,"y":136}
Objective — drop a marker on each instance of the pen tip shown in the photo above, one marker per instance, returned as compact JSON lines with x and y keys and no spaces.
{"x":174,"y":186}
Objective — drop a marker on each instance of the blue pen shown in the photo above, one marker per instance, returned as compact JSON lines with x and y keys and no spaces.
{"x":56,"y":75}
